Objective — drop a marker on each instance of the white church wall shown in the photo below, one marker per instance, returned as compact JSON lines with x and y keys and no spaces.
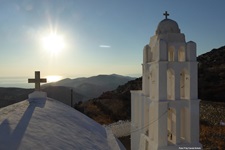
{"x":146,"y":79}
{"x":151,"y":122}
{"x":153,"y":83}
{"x":161,"y":124}
{"x":193,"y":70}
{"x":194,"y":121}
{"x":136,"y":123}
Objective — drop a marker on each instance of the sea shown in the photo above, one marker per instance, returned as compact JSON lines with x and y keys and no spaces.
{"x":18,"y":82}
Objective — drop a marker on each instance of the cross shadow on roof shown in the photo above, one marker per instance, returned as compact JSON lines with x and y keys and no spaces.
{"x":11,"y":139}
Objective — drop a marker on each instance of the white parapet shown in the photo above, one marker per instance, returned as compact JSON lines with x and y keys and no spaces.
{"x":37,"y":95}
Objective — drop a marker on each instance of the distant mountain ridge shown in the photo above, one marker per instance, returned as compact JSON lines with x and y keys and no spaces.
{"x":97,"y":80}
{"x":94,"y":86}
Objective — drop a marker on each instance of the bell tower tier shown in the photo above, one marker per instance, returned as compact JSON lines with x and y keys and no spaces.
{"x":165,"y":113}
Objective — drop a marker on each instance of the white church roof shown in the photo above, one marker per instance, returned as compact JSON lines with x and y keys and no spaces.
{"x":167,"y":26}
{"x":49,"y":124}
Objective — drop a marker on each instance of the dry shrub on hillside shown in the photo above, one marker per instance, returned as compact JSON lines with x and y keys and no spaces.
{"x":212,"y":136}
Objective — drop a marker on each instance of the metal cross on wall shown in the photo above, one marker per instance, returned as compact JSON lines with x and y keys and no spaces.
{"x":166,"y":14}
{"x":37,"y":80}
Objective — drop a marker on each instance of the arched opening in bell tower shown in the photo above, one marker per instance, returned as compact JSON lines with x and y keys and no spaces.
{"x":170,"y":84}
{"x":184,"y":84}
{"x":183,"y":124}
{"x":147,"y":54}
{"x":171,"y":126}
{"x":181,"y":54}
{"x":171,"y":53}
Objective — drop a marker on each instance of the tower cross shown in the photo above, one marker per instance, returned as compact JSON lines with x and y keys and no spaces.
{"x":37,"y":80}
{"x":166,"y":14}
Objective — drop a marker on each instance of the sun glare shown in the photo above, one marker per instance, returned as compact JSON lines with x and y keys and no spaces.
{"x":53,"y":43}
{"x":53,"y":78}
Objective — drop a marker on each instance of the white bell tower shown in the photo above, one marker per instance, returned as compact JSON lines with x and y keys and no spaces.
{"x":165,"y":113}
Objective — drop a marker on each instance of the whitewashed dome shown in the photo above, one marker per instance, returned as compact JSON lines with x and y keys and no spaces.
{"x":167,"y":26}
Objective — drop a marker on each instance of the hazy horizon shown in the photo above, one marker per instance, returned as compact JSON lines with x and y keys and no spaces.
{"x":22,"y":82}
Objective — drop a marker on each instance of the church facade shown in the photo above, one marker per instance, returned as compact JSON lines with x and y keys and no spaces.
{"x":165,"y":113}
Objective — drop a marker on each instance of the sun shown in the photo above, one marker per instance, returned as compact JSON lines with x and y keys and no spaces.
{"x":53,"y":43}
{"x":53,"y":78}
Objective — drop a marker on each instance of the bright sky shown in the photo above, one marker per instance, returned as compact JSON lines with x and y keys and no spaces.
{"x":100,"y":36}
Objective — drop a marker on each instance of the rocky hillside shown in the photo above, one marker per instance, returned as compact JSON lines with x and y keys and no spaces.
{"x":10,"y":96}
{"x":211,"y":75}
{"x":111,"y":106}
